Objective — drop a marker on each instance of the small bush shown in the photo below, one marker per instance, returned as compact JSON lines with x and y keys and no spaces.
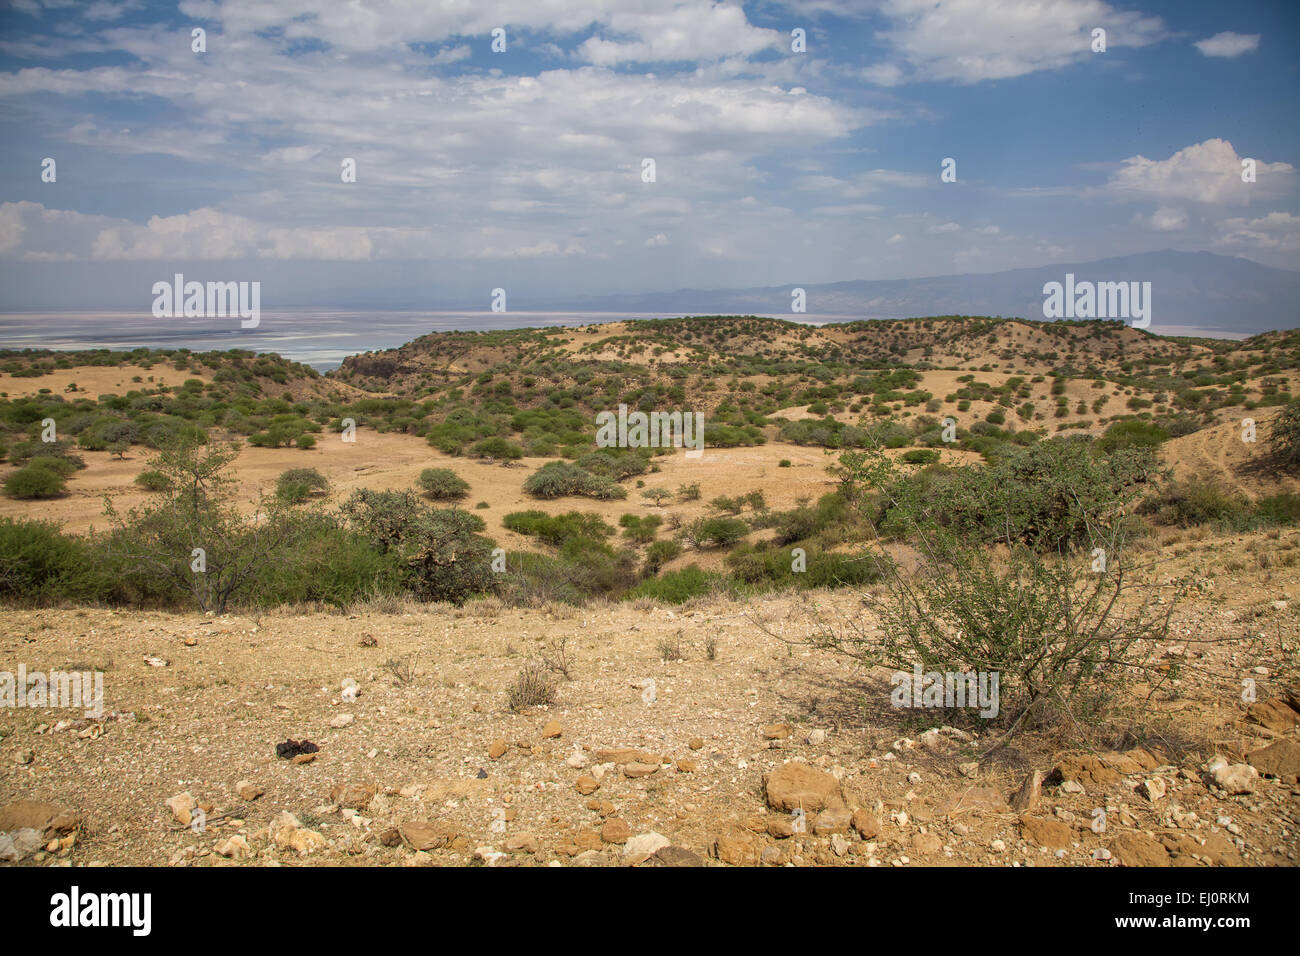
{"x":533,"y":686}
{"x":153,"y":480}
{"x":1194,"y":502}
{"x":677,"y":587}
{"x":442,"y":484}
{"x":921,"y":456}
{"x":298,"y":484}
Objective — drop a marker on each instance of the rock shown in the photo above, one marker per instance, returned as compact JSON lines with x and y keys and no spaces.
{"x":586,"y":785}
{"x":1086,"y":770}
{"x":675,"y":856}
{"x":817,"y":738}
{"x":488,"y":855}
{"x":1072,"y":786}
{"x":1153,"y":788}
{"x":696,"y":743}
{"x":339,"y":721}
{"x":552,"y":730}
{"x":427,"y":835}
{"x":687,"y":766}
{"x":8,"y":852}
{"x":737,"y":847}
{"x":969,"y":769}
{"x":839,"y":845}
{"x":522,"y":843}
{"x":777,"y":731}
{"x":236,"y":848}
{"x":1280,"y":759}
{"x":977,"y":798}
{"x":797,"y":785}
{"x":926,"y":844}
{"x":45,"y":818}
{"x":833,"y":820}
{"x":577,"y":760}
{"x":780,"y":828}
{"x":27,"y":841}
{"x":1030,"y":792}
{"x":248,"y":790}
{"x":644,"y":845}
{"x":354,"y":796}
{"x":1274,"y":714}
{"x":1049,"y":833}
{"x":1232,"y":778}
{"x":288,"y":833}
{"x":497,"y":749}
{"x":1139,"y":849}
{"x":304,"y":758}
{"x":25,"y":756}
{"x":615,"y":831}
{"x":866,"y":824}
{"x":182,"y":808}
{"x":635,"y":770}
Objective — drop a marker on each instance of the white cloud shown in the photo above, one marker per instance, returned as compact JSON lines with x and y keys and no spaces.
{"x":1208,"y":172}
{"x":658,"y":239}
{"x":1164,"y":219}
{"x":1229,"y":44}
{"x":1277,"y":231}
{"x":969,"y":41}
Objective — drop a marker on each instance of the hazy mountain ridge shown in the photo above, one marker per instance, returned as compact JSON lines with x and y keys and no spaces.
{"x":1198,"y":289}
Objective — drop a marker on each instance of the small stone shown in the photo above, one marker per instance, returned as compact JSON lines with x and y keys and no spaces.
{"x":354,"y":796}
{"x":634,"y":770}
{"x":839,"y":845}
{"x":522,"y":843}
{"x":339,"y":721}
{"x":866,"y":824}
{"x":817,"y":738}
{"x":182,"y":808}
{"x":1154,"y":789}
{"x":497,"y":749}
{"x":675,"y":856}
{"x":615,"y":831}
{"x":25,"y":756}
{"x":644,"y":845}
{"x":1049,"y":833}
{"x":777,"y":731}
{"x":551,"y":730}
{"x":586,"y":785}
{"x":696,"y":743}
{"x":835,"y":820}
{"x":687,"y":766}
{"x":236,"y":848}
{"x":248,"y":790}
{"x":796,"y":785}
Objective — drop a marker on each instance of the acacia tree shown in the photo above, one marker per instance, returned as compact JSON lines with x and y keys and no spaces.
{"x":193,"y":535}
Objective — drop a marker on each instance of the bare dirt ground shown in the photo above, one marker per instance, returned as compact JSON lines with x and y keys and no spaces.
{"x":430,"y":759}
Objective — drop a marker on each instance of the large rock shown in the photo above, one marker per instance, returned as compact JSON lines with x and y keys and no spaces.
{"x":1086,"y":770}
{"x":37,"y":815}
{"x":1139,"y":849}
{"x":1233,"y":777}
{"x":736,"y":846}
{"x":424,"y":835}
{"x":795,"y":785}
{"x":643,"y":846}
{"x":1280,"y":759}
{"x":353,"y":796}
{"x":1044,"y":832}
{"x":1275,"y":714}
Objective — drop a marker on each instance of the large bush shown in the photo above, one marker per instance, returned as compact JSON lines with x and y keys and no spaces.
{"x":444,"y":556}
{"x":34,"y":481}
{"x":558,"y":479}
{"x":442,"y":484}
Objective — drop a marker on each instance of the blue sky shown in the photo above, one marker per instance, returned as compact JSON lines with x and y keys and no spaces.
{"x":522,"y":169}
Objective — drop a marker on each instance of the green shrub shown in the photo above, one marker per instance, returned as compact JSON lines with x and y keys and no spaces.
{"x":38,"y":563}
{"x":442,"y":484}
{"x":296,"y":485}
{"x":1284,"y":437}
{"x":498,"y":448}
{"x":677,"y":587}
{"x":153,"y":480}
{"x":1131,"y":434}
{"x":557,"y":529}
{"x":921,"y":456}
{"x":1193,"y":502}
{"x":660,"y":553}
{"x":34,"y":482}
{"x":715,"y":532}
{"x":444,"y":556}
{"x":558,"y":479}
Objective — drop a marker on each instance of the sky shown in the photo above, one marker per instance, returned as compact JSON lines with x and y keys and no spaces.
{"x":523,"y":168}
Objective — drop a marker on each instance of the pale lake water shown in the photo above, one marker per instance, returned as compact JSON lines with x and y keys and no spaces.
{"x":321,"y":339}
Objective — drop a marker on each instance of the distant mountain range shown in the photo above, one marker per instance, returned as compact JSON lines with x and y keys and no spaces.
{"x":1188,"y":290}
